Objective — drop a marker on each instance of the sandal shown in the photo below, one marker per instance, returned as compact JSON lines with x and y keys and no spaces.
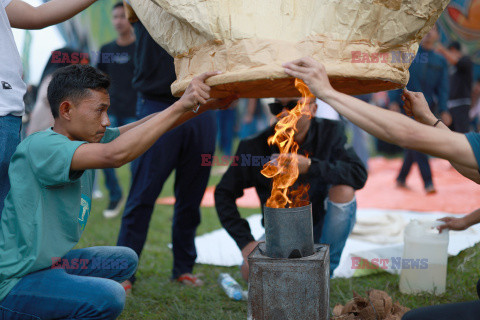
{"x":190,"y":280}
{"x":127,"y":286}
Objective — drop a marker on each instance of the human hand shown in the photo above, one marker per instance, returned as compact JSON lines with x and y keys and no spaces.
{"x":415,"y":105}
{"x":197,"y":92}
{"x":453,"y":224}
{"x":313,"y":73}
{"x":303,"y":162}
{"x":248,"y":249}
{"x":245,"y":252}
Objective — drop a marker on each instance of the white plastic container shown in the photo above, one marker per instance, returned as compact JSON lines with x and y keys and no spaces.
{"x":425,"y":257}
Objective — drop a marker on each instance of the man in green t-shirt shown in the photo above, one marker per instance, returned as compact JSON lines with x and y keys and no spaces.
{"x":49,"y":203}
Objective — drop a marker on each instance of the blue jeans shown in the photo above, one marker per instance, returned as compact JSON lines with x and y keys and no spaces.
{"x":9,"y":139}
{"x":111,"y":181}
{"x":337,"y":225}
{"x":92,"y":290}
{"x":226,"y":129}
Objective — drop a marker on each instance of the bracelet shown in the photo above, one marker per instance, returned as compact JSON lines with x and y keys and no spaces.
{"x":195,"y":109}
{"x":439,"y":120}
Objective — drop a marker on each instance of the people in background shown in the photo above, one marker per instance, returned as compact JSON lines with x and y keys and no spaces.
{"x":116,"y":60}
{"x":461,"y":82}
{"x":428,"y":74}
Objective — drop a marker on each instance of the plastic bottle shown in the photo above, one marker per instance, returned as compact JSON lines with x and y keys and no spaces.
{"x":230,"y":286}
{"x":425,"y":244}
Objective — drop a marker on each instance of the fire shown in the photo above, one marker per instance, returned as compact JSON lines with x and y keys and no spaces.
{"x":284,"y":170}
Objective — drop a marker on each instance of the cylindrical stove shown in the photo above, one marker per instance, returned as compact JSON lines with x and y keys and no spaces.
{"x":289,"y":275}
{"x":288,"y":232}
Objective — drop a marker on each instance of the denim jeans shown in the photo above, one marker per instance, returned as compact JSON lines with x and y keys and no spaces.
{"x":9,"y":139}
{"x":89,"y":290}
{"x":337,"y":225}
{"x":111,"y":181}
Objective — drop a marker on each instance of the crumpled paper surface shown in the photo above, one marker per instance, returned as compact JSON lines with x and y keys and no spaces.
{"x":377,"y":306}
{"x":361,"y":42}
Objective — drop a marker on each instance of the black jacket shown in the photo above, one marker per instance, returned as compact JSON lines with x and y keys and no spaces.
{"x":154,"y":68}
{"x":332,"y":164}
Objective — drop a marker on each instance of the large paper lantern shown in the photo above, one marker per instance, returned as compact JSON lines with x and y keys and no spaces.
{"x":366,"y":45}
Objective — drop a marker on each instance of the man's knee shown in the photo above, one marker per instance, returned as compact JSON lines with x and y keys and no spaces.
{"x":341,"y":194}
{"x":130,"y":258}
{"x":113,"y":301}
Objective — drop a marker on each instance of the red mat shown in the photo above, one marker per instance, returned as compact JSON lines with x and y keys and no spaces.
{"x":455,"y":194}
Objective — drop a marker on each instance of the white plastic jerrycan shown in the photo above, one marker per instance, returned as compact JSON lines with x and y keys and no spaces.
{"x":424,"y":262}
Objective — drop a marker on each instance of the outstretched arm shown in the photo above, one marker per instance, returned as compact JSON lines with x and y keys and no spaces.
{"x":133,"y":143}
{"x":459,"y":224}
{"x":211,"y":104}
{"x":384,"y":124}
{"x":415,"y":105}
{"x":24,"y":16}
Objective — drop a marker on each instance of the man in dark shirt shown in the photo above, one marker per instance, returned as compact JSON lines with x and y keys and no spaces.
{"x":179,"y":149}
{"x":461,"y":82}
{"x":333,"y":172}
{"x":116,"y":60}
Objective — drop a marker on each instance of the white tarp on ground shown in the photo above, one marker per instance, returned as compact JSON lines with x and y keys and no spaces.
{"x":377,"y":234}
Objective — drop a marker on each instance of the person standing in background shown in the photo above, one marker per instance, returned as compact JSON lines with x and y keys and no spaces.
{"x":461,"y":82}
{"x":179,"y":150}
{"x":21,"y":15}
{"x":428,"y":74}
{"x":116,"y":60}
{"x":41,"y":117}
{"x":254,"y":118}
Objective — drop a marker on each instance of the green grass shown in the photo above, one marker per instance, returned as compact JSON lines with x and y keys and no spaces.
{"x":155,"y":297}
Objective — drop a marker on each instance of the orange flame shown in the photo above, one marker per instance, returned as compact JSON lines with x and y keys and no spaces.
{"x":284,"y":170}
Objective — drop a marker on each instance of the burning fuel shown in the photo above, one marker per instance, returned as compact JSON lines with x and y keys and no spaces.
{"x":284,"y":170}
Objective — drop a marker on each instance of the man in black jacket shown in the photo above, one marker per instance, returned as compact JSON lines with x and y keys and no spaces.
{"x":333,"y":172}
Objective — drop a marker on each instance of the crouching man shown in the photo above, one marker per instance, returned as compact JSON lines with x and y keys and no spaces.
{"x":333,"y":172}
{"x":49,"y":203}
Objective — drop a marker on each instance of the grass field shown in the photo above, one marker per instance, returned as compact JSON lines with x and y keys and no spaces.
{"x":156,"y":297}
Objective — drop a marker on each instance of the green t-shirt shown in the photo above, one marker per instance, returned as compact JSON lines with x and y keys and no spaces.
{"x":47,"y":207}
